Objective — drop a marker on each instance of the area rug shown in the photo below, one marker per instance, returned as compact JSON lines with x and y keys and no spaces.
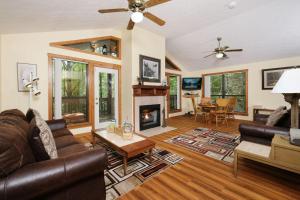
{"x":139,"y":169}
{"x":208,"y":142}
{"x":156,"y":131}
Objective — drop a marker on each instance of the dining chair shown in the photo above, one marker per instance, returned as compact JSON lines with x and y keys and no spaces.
{"x":220,"y":114}
{"x":231,"y":107}
{"x":205,"y":101}
{"x":198,"y":110}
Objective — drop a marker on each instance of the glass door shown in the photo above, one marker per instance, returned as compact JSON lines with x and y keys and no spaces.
{"x":106,"y":97}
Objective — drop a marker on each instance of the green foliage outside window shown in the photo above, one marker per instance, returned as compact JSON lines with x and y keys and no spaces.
{"x":230,"y":85}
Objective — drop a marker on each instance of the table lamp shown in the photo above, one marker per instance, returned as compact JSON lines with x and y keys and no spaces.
{"x":289,"y":86}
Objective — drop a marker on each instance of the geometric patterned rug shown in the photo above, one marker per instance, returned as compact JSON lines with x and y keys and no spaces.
{"x":208,"y":142}
{"x":139,"y":169}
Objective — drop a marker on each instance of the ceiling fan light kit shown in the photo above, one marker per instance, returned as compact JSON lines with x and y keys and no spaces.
{"x":137,"y":7}
{"x":137,"y":17}
{"x":219,"y":55}
{"x":220,"y":51}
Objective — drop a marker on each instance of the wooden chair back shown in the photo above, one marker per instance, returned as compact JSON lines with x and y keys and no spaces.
{"x":223,"y":104}
{"x":232,"y":104}
{"x":205,"y":101}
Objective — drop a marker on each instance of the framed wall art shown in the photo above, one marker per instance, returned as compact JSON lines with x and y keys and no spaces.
{"x":24,"y":71}
{"x":271,"y":76}
{"x":150,"y":69}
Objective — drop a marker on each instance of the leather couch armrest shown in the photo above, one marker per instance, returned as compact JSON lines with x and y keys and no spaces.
{"x":261,"y":132}
{"x":56,"y":124}
{"x":44,"y":177}
{"x":261,"y":118}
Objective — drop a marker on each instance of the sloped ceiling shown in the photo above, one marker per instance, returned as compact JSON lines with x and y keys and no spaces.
{"x":265,"y":29}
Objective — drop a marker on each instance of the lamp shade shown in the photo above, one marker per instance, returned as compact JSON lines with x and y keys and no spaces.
{"x":289,"y":82}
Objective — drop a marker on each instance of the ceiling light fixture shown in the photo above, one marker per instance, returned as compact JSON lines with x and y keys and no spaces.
{"x":219,"y":55}
{"x":137,"y":17}
{"x":232,"y":5}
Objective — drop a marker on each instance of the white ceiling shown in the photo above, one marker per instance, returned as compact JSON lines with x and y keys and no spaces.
{"x":265,"y":29}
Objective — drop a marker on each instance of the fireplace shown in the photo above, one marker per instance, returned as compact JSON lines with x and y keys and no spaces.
{"x":149,"y":116}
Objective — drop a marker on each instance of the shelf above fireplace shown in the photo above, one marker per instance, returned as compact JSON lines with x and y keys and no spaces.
{"x":150,"y":90}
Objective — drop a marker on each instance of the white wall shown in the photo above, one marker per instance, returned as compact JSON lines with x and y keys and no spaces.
{"x":256,"y":96}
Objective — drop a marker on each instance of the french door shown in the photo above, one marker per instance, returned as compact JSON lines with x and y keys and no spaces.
{"x":106,"y":96}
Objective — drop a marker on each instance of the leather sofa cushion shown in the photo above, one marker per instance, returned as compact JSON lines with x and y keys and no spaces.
{"x":61,"y":132}
{"x":36,"y":143}
{"x":71,"y":149}
{"x":15,"y":151}
{"x":64,"y":141}
{"x":13,"y":112}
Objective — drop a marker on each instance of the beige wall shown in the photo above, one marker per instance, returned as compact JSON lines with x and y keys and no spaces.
{"x":0,"y":72}
{"x":135,"y":43}
{"x":33,"y":48}
{"x":256,"y":95}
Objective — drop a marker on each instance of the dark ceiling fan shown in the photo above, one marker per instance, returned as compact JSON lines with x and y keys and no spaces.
{"x":220,"y":51}
{"x":137,"y":7}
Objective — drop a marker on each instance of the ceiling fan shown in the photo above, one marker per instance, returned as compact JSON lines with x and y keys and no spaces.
{"x":137,"y":7}
{"x":220,"y":51}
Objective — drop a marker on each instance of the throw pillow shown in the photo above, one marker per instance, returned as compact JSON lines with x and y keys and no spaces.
{"x":45,"y":135}
{"x":29,"y":115}
{"x":276,"y":116}
{"x":36,"y":143}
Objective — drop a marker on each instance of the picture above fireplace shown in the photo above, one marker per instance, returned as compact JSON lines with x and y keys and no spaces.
{"x":149,"y":116}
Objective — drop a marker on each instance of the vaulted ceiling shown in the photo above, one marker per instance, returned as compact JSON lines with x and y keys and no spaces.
{"x":265,"y":29}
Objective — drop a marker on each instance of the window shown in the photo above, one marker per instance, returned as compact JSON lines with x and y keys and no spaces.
{"x":226,"y":85}
{"x":70,"y":91}
{"x":174,"y":81}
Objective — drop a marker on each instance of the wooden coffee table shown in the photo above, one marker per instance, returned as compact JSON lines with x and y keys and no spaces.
{"x":126,"y":148}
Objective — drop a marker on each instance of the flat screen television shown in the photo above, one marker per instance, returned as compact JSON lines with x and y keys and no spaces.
{"x":192,"y":83}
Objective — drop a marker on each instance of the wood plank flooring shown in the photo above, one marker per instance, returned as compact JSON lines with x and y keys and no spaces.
{"x":201,"y":177}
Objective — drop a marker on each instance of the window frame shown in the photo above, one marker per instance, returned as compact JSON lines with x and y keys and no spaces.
{"x":179,"y":95}
{"x":90,"y":77}
{"x":246,"y":113}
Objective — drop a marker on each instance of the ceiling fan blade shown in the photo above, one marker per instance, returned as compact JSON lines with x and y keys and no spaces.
{"x":155,"y":19}
{"x":210,"y":55}
{"x":130,"y":25}
{"x":152,"y":3}
{"x":233,"y":50}
{"x":113,"y":10}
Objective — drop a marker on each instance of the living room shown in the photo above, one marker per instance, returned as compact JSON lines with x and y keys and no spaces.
{"x":134,"y":110}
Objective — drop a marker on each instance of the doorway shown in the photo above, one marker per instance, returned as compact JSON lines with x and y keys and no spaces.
{"x":106,"y":108}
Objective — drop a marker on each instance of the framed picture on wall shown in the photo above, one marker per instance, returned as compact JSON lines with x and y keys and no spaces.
{"x":271,"y":76}
{"x":150,"y":69}
{"x":24,"y":70}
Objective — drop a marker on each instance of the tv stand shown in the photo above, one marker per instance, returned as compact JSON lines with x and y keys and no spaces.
{"x":192,"y":97}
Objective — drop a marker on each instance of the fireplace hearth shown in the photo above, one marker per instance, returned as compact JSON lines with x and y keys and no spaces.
{"x":149,"y":116}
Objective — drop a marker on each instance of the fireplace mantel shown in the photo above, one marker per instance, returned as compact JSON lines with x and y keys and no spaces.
{"x":150,"y":90}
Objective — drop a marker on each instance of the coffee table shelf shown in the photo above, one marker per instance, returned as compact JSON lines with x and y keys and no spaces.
{"x":126,"y":148}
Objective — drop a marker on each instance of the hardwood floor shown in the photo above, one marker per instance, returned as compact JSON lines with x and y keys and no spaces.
{"x":201,"y":177}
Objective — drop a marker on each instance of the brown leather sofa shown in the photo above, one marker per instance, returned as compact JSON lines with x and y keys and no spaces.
{"x":262,"y":134}
{"x":77,"y":173}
